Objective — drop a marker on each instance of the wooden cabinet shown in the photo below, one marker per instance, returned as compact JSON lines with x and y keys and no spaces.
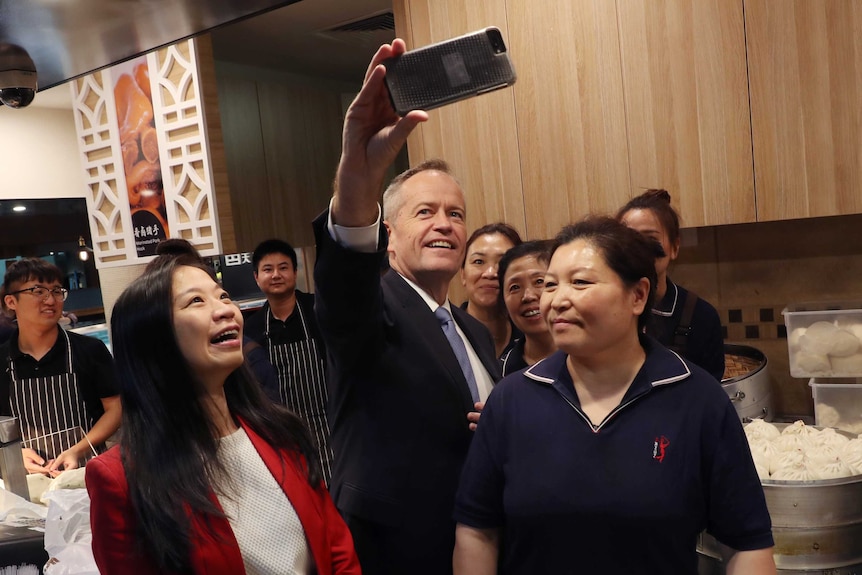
{"x":571,"y":132}
{"x":686,"y":97}
{"x":612,"y":98}
{"x":805,"y":67}
{"x":477,"y":137}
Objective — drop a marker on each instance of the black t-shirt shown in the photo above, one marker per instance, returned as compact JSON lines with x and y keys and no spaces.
{"x":91,"y":363}
{"x":288,"y":331}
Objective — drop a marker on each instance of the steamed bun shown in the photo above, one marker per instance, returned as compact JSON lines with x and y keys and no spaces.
{"x":818,"y":338}
{"x":758,"y":428}
{"x":794,"y":337}
{"x":849,"y":366}
{"x":843,"y":343}
{"x":829,"y":468}
{"x":811,"y":363}
{"x":827,"y":415}
{"x":799,"y":470}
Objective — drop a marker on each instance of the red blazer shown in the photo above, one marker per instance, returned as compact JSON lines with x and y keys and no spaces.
{"x":213,"y":552}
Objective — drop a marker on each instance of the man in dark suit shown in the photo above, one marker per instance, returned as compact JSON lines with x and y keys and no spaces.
{"x":402,"y":400}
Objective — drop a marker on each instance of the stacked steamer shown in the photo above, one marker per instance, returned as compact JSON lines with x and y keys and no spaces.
{"x":812,"y":480}
{"x":825,"y":344}
{"x":746,"y":381}
{"x":812,"y":475}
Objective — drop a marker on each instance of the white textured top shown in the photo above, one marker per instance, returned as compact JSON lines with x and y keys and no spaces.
{"x":270,"y":536}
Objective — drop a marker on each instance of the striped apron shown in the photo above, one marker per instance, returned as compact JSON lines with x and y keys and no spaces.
{"x":51,"y":411}
{"x":302,"y":385}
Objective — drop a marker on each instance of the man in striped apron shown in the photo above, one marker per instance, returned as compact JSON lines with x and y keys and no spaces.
{"x":287,"y":327}
{"x":61,"y":386}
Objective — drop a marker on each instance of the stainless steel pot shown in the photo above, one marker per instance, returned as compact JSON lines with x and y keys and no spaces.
{"x":749,"y":391}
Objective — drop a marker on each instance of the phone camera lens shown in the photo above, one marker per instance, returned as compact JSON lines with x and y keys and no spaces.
{"x":496,"y":39}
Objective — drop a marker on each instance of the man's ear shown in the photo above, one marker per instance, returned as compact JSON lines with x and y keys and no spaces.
{"x":11,"y":302}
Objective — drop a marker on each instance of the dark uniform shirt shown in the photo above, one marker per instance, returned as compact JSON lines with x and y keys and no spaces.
{"x":629,"y":495}
{"x":704,"y":343}
{"x":287,"y":331}
{"x":512,"y":359}
{"x":91,"y":362}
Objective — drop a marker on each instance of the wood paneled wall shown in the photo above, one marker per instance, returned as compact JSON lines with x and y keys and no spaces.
{"x":805,"y":63}
{"x":687,"y":112}
{"x":612,"y":98}
{"x":282,"y":143}
{"x":474,"y":136}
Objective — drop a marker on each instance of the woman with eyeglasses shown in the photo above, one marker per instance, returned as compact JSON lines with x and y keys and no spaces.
{"x":60,"y":385}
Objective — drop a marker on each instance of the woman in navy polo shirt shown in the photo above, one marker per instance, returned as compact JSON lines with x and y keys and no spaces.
{"x":613,"y":454}
{"x":680,"y":320}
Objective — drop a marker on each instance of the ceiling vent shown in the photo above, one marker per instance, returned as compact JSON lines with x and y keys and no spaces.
{"x":378,"y":22}
{"x":367,"y":32}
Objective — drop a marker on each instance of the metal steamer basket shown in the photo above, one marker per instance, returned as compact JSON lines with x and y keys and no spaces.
{"x":746,"y":382}
{"x":817,"y":527}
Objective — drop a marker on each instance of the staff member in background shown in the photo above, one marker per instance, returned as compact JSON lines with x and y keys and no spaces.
{"x":61,"y":386}
{"x":611,"y":441}
{"x":210,"y":477}
{"x":522,"y":281}
{"x":7,"y":326}
{"x":406,"y":378}
{"x":484,"y":249}
{"x":680,"y":319}
{"x":287,"y":328}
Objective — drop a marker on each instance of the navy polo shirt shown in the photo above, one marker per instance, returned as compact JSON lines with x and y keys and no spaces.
{"x":629,"y":495}
{"x":704,"y":345}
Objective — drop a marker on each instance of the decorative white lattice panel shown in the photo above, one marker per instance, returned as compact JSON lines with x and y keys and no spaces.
{"x":107,"y":203}
{"x":182,"y":152}
{"x":180,"y":125}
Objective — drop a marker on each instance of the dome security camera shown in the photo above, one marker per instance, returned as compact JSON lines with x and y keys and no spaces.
{"x":17,"y":76}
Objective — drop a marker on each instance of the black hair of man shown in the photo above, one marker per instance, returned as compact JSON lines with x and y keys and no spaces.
{"x":28,"y":269}
{"x":272,"y":246}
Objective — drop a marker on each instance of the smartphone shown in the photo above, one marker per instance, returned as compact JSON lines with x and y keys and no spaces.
{"x":449,"y":71}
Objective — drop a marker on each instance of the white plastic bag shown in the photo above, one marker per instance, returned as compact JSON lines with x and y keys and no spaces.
{"x":68,"y":537}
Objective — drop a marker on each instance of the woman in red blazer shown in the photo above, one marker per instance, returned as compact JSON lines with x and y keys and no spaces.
{"x":210,"y":476}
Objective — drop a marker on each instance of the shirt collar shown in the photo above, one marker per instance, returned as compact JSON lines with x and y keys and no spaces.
{"x":426,"y":297}
{"x":661,"y":367}
{"x":667,"y":305}
{"x":15,"y":352}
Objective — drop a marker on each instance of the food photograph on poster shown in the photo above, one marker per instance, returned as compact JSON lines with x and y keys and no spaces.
{"x":140,"y":150}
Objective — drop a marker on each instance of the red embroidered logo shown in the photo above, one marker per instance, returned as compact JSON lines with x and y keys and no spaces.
{"x":659,"y":448}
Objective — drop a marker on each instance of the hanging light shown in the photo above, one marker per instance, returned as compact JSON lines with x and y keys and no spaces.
{"x":83,"y":250}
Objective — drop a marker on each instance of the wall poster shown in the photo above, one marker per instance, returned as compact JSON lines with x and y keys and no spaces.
{"x":141,"y":155}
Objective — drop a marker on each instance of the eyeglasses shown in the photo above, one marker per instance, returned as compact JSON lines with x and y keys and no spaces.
{"x":43,"y":292}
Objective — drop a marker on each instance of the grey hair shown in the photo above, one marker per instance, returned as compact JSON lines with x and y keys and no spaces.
{"x":392,"y":201}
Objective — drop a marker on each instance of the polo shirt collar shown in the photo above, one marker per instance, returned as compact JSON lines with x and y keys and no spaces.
{"x":667,"y":305}
{"x":15,"y":352}
{"x":661,"y":367}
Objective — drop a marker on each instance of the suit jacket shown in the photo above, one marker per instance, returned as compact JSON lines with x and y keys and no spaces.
{"x":214,"y":551}
{"x":398,"y":400}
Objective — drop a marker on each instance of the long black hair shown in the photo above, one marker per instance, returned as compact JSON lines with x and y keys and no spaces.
{"x":168,"y":443}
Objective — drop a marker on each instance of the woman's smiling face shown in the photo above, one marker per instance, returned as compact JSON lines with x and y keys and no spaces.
{"x":207,"y":324}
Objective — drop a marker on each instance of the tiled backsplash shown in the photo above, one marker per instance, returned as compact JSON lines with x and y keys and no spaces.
{"x":751,"y":272}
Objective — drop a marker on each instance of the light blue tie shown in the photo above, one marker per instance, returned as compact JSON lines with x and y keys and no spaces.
{"x":459,"y":348}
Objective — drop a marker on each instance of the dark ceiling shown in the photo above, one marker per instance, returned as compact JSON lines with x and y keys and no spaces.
{"x":68,"y":38}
